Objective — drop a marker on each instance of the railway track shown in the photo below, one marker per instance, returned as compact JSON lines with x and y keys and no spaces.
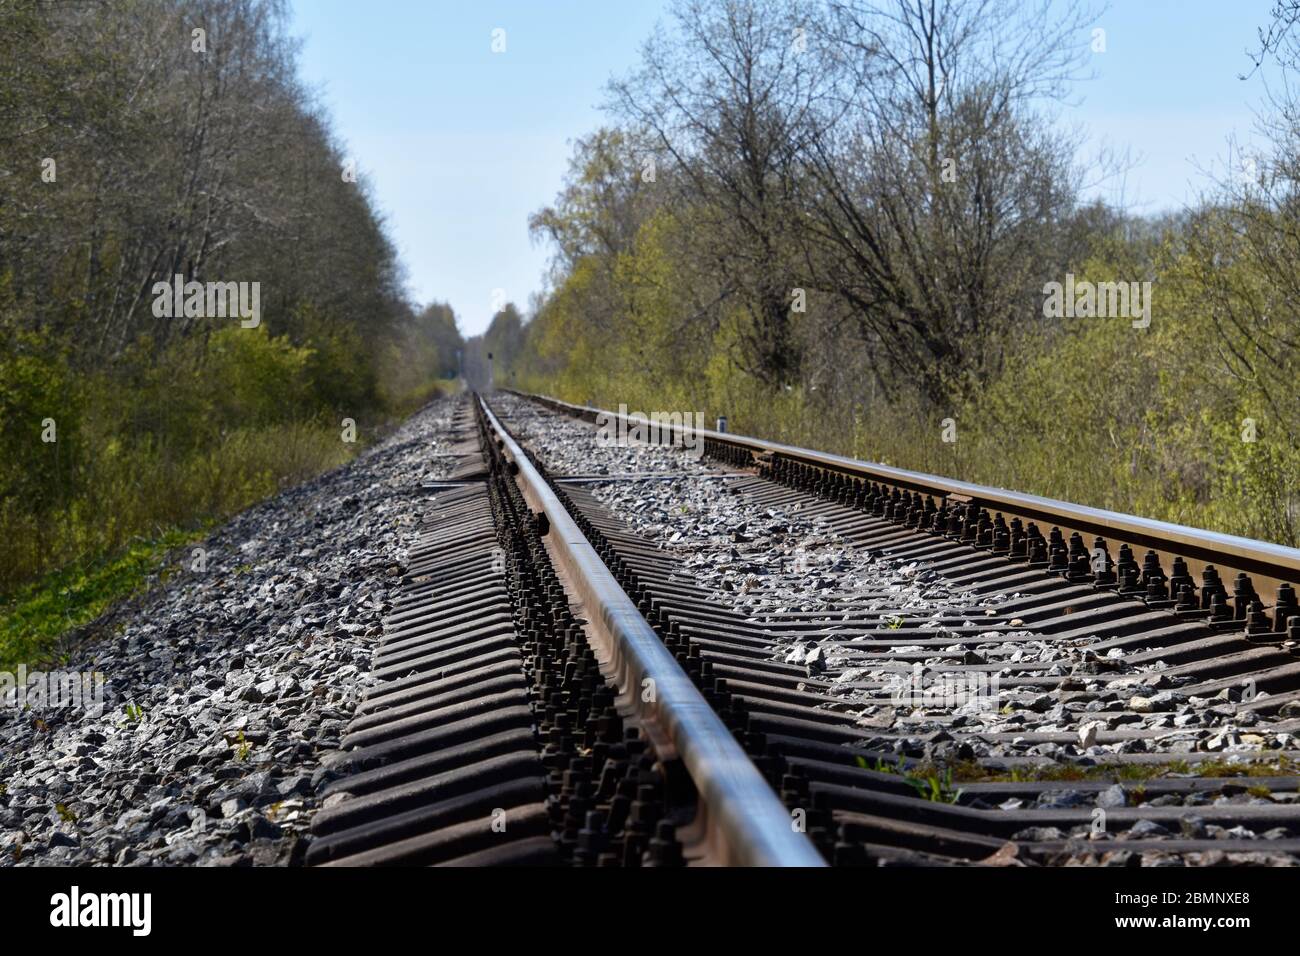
{"x":524,"y":712}
{"x":1015,"y":681}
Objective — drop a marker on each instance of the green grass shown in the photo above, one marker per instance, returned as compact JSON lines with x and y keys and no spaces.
{"x":130,"y":490}
{"x":934,"y":782}
{"x":33,"y":618}
{"x":930,"y":783}
{"x":972,"y":772}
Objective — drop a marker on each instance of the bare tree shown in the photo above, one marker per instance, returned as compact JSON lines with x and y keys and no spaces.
{"x":732,"y":97}
{"x":933,"y":200}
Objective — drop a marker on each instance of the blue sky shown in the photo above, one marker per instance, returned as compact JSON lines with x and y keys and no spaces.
{"x":461,"y":144}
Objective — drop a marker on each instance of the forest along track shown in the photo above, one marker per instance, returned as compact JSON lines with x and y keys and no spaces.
{"x":926,"y":680}
{"x":504,"y":727}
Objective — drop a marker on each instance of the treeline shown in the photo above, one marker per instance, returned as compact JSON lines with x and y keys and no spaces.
{"x":837,"y":223}
{"x":145,"y":140}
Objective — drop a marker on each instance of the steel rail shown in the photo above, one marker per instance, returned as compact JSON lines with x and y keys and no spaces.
{"x":1257,"y":557}
{"x":752,"y":827}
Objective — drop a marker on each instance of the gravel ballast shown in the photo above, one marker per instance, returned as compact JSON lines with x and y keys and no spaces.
{"x":225,"y":686}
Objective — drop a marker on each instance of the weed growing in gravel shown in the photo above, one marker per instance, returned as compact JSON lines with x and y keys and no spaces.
{"x":880,"y":766}
{"x":930,"y":782}
{"x":1281,"y":767}
{"x":969,"y":771}
{"x":133,"y":712}
{"x":935,"y":787}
